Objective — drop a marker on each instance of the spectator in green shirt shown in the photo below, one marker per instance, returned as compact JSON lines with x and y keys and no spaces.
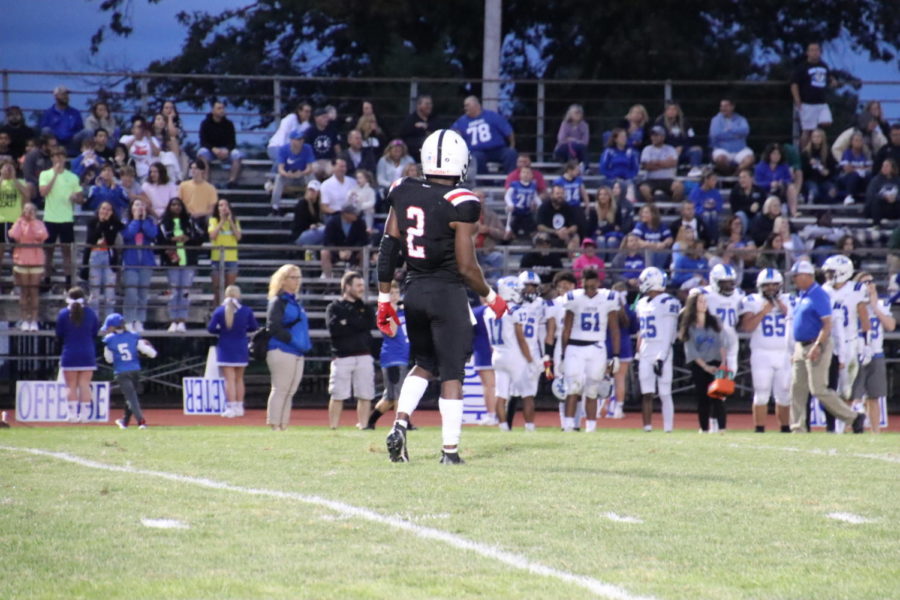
{"x":61,"y":190}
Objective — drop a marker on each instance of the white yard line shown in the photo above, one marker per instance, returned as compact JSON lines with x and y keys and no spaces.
{"x":820,"y":452}
{"x":849,"y":518}
{"x":620,"y":518}
{"x":517,"y":561}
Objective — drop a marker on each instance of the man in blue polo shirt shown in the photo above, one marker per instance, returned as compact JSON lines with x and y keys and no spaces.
{"x":489,"y":136}
{"x":812,"y":352}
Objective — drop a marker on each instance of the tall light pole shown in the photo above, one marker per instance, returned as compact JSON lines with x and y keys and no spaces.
{"x":490,"y":66}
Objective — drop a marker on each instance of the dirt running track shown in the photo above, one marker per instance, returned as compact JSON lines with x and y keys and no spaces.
{"x":427,"y":418}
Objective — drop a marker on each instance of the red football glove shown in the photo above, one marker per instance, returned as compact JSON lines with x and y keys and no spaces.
{"x":548,"y":368}
{"x":496,"y":304}
{"x":387,"y":320}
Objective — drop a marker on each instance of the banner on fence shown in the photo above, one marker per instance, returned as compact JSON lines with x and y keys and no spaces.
{"x":203,"y":396}
{"x":45,"y":402}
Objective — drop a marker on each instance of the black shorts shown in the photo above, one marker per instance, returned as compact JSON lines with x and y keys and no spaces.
{"x":62,"y":232}
{"x":439,"y":327}
{"x":4,"y":232}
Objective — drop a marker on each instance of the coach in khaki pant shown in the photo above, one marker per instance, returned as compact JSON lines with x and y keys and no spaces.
{"x":350,"y":324}
{"x":812,"y":352}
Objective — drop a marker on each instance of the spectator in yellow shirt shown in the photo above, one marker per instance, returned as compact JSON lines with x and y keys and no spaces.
{"x":224,"y":235}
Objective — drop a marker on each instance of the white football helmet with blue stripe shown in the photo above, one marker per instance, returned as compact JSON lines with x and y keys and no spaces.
{"x":767,"y":277}
{"x":838,"y":268}
{"x":652,"y":279}
{"x":723,"y":274}
{"x":508,"y":288}
{"x":529,"y":278}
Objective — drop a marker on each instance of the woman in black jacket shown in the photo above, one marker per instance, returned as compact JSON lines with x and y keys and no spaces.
{"x":100,"y":257}
{"x":181,"y":236}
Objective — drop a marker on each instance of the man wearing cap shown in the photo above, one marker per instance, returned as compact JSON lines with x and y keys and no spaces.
{"x":295,"y":162}
{"x":812,"y":352}
{"x":589,"y":260}
{"x":19,"y":132}
{"x":323,"y":138}
{"x":62,"y":120}
{"x":343,"y":229}
{"x":660,"y":160}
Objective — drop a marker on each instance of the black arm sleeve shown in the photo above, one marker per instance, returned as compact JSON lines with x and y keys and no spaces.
{"x":275,"y":321}
{"x":388,"y":258}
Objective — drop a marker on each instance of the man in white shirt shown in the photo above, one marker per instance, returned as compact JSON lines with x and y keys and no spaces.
{"x":298,"y":120}
{"x":335,"y":189}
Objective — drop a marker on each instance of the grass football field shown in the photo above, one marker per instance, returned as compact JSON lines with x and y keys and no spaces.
{"x":239,"y":512}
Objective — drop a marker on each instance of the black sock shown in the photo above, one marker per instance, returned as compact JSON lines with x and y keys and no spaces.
{"x":511,"y":405}
{"x":760,"y":429}
{"x":785,"y":429}
{"x":373,"y":418}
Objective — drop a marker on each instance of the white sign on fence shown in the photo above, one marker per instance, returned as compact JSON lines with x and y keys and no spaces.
{"x":45,"y":402}
{"x":203,"y":396}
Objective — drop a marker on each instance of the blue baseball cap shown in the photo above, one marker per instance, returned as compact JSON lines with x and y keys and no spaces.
{"x":113,"y":320}
{"x":296,"y":135}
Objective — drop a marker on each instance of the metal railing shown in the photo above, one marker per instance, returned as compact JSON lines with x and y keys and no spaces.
{"x":535,"y":106}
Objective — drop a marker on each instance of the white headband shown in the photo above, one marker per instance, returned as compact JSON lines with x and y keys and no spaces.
{"x":71,"y":301}
{"x":233,"y":301}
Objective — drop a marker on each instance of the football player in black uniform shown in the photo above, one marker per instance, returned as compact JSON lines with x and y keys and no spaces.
{"x":430,"y":226}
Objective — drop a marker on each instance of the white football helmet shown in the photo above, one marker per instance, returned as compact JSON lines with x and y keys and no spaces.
{"x":445,"y":154}
{"x":720,"y":274}
{"x":508,"y":288}
{"x":768,"y":276}
{"x":559,"y":388}
{"x":838,"y":268}
{"x":652,"y":279}
{"x":528,"y":278}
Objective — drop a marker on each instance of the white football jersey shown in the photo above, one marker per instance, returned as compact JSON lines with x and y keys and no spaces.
{"x":502,"y":331}
{"x":556,"y":310}
{"x":590,"y":315}
{"x":532,"y":317}
{"x":876,"y":332}
{"x":725,"y":307}
{"x":771,"y":335}
{"x":658,"y":322}
{"x":843,"y":306}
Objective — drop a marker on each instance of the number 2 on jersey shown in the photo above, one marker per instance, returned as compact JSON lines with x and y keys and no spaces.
{"x":414,"y":213}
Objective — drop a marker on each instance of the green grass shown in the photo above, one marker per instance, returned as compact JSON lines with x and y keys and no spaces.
{"x":727,"y":517}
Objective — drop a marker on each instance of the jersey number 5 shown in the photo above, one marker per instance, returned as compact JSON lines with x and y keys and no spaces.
{"x":414,"y":213}
{"x":124,"y":352}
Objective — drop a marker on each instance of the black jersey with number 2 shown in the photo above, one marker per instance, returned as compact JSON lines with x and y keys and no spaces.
{"x":424,"y":211}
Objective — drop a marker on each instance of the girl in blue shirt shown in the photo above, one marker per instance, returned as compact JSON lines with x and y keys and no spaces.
{"x":76,"y":327}
{"x":855,"y":166}
{"x":232,"y":322}
{"x":137,"y":265}
{"x":619,"y":160}
{"x":774,"y":175}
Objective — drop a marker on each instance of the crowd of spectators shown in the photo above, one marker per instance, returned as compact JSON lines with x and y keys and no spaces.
{"x":334,"y":173}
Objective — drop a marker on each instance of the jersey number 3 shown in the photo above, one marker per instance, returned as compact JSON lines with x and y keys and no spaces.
{"x":414,"y":213}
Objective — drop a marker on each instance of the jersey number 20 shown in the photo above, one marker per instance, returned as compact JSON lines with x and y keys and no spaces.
{"x":414,"y":213}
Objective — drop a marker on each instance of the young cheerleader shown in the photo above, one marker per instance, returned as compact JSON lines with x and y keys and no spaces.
{"x":76,"y":327}
{"x":232,"y":322}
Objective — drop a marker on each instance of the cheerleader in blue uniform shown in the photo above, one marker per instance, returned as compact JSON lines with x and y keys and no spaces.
{"x":76,"y":327}
{"x":233,"y":322}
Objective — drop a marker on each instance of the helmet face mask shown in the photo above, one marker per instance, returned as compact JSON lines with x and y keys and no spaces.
{"x":726,"y":287}
{"x":723,"y":280}
{"x":529,"y":292}
{"x":529,"y":285}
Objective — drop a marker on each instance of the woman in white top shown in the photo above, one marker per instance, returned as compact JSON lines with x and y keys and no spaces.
{"x":142,"y":147}
{"x":392,"y":164}
{"x":363,"y":196}
{"x":159,"y":189}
